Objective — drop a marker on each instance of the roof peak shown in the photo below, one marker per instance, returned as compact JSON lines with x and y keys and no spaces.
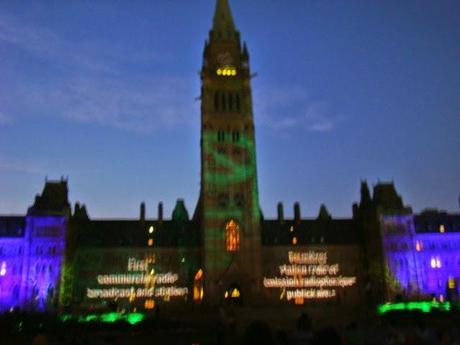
{"x":223,"y":24}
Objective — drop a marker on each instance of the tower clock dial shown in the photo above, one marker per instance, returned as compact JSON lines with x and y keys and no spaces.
{"x":225,"y":58}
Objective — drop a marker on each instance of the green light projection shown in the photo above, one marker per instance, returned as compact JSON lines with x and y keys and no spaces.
{"x":65,"y":289}
{"x":234,"y":173}
{"x":423,"y":306}
{"x":225,"y":172}
{"x":131,"y":318}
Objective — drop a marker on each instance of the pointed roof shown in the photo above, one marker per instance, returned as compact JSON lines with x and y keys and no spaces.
{"x":223,"y":23}
{"x":324,"y":213}
{"x":53,"y":200}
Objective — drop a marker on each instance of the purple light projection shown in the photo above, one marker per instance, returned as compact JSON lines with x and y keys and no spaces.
{"x":398,"y":245}
{"x":11,"y":260}
{"x":419,"y":264}
{"x":438,"y":257}
{"x":30,"y":266}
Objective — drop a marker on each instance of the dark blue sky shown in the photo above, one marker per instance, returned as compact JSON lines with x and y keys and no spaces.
{"x":104,"y":92}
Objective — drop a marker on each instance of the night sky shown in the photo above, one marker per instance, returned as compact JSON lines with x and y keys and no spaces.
{"x":104,"y":92}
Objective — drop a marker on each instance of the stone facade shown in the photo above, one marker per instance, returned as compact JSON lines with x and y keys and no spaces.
{"x":226,"y":252}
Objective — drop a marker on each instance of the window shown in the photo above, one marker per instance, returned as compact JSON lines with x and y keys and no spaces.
{"x":239,"y":200}
{"x":237,"y":102}
{"x":3,"y":269}
{"x":216,"y":101}
{"x":235,"y":136}
{"x":230,"y":102}
{"x":222,"y":200}
{"x":435,"y":262}
{"x":224,"y":102}
{"x":220,"y":136}
{"x":198,"y":286}
{"x":232,"y":236}
{"x":16,"y":292}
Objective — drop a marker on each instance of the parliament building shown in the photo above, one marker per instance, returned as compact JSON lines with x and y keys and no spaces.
{"x":55,"y":257}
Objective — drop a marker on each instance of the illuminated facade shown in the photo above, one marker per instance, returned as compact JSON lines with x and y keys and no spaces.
{"x":410,"y":256}
{"x":32,"y":252}
{"x":422,"y":253}
{"x":226,"y":252}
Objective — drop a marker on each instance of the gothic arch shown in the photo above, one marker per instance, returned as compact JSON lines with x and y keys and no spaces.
{"x":232,"y":235}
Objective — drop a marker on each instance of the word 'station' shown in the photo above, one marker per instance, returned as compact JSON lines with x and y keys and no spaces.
{"x":140,"y":281}
{"x":308,"y":276}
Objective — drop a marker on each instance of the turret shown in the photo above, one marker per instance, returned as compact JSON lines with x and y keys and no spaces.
{"x":280,"y":212}
{"x":296,"y":212}
{"x":53,"y":200}
{"x":180,"y":213}
{"x":160,"y":211}
{"x":365,"y":194}
{"x":324,"y":213}
{"x":142,"y":212}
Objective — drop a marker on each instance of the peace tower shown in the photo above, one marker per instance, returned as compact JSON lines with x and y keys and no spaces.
{"x":228,"y":203}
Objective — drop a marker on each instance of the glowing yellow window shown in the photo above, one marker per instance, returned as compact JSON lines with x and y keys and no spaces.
{"x":149,"y":304}
{"x":226,"y":71}
{"x":232,"y":236}
{"x":235,"y":293}
{"x":299,"y":301}
{"x":442,"y":228}
{"x":150,"y":242}
{"x":198,"y":286}
{"x":199,"y":274}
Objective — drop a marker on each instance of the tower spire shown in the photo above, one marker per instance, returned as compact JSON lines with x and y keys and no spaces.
{"x":223,"y":26}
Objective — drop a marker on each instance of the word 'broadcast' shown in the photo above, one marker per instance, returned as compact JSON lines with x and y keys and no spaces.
{"x":144,"y":281}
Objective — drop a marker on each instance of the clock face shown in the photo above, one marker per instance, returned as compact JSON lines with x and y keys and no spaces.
{"x":224,"y":58}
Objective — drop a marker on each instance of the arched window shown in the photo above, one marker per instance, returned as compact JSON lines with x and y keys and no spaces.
{"x":220,"y":136}
{"x":237,"y":101}
{"x":16,"y":292}
{"x":232,"y":236}
{"x":198,"y":286}
{"x":224,"y":102}
{"x":216,"y":101}
{"x":230,"y":101}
